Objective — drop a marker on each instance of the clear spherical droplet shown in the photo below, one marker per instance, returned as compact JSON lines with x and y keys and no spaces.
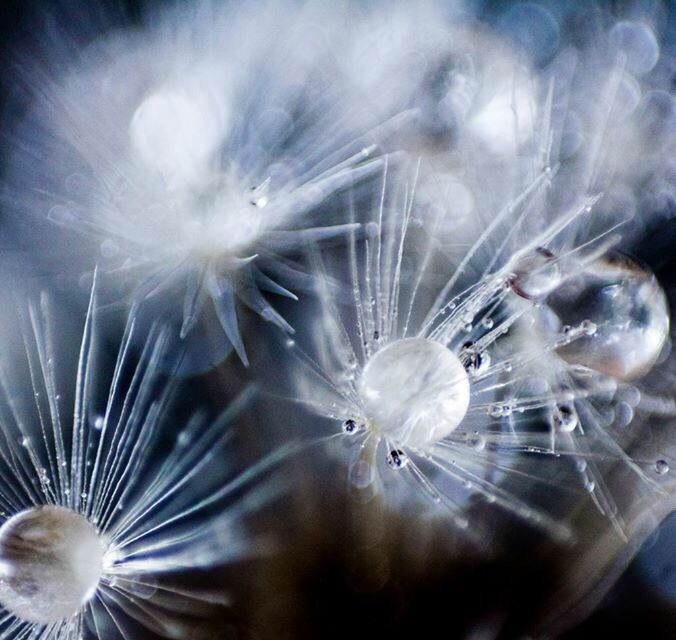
{"x":476,"y":362}
{"x":397,"y":459}
{"x":51,"y":560}
{"x":535,"y":276}
{"x":415,"y":391}
{"x":477,"y":442}
{"x":564,"y":418}
{"x":661,"y":467}
{"x":350,"y":426}
{"x":623,"y":313}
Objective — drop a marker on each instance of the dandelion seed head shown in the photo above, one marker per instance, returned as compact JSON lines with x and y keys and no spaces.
{"x":415,"y":391}
{"x":52,"y":561}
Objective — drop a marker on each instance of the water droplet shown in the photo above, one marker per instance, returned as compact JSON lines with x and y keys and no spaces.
{"x":495,"y":411}
{"x":63,"y":570}
{"x":475,"y":362}
{"x":625,"y":305}
{"x":416,"y":391}
{"x":372,"y":229}
{"x":536,"y":276}
{"x":564,"y":418}
{"x":487,"y":323}
{"x":661,"y":467}
{"x":477,"y":442}
{"x":98,"y":423}
{"x":624,"y":414}
{"x":290,"y":343}
{"x":588,"y":327}
{"x":350,"y":426}
{"x":397,"y":459}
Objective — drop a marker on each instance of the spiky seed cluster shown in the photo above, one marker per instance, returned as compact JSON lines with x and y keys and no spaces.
{"x":493,"y":323}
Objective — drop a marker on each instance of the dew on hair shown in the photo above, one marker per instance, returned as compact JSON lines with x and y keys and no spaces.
{"x":476,"y":362}
{"x":564,"y":418}
{"x":372,"y":229}
{"x":661,"y":467}
{"x":397,"y":459}
{"x":624,"y":414}
{"x":53,"y":560}
{"x":622,"y":314}
{"x":535,"y":276}
{"x":350,"y":426}
{"x":476,"y":442}
{"x":415,"y":390}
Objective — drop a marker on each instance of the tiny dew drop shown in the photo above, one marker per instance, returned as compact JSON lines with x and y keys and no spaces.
{"x":564,"y":418}
{"x":476,"y":362}
{"x":397,"y":459}
{"x":661,"y":467}
{"x":487,"y":323}
{"x":350,"y":426}
{"x":477,"y":442}
{"x":495,"y":411}
{"x":98,"y":423}
{"x":588,"y":327}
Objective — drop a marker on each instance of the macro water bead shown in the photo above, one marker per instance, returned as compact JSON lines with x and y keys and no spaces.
{"x":51,"y":561}
{"x":415,"y":391}
{"x":626,"y":304}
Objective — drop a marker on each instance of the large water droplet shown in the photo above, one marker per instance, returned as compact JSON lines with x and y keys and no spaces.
{"x":51,"y":560}
{"x":625,"y":305}
{"x":415,"y":391}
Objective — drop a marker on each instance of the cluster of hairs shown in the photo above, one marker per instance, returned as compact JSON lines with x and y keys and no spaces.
{"x":435,"y":210}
